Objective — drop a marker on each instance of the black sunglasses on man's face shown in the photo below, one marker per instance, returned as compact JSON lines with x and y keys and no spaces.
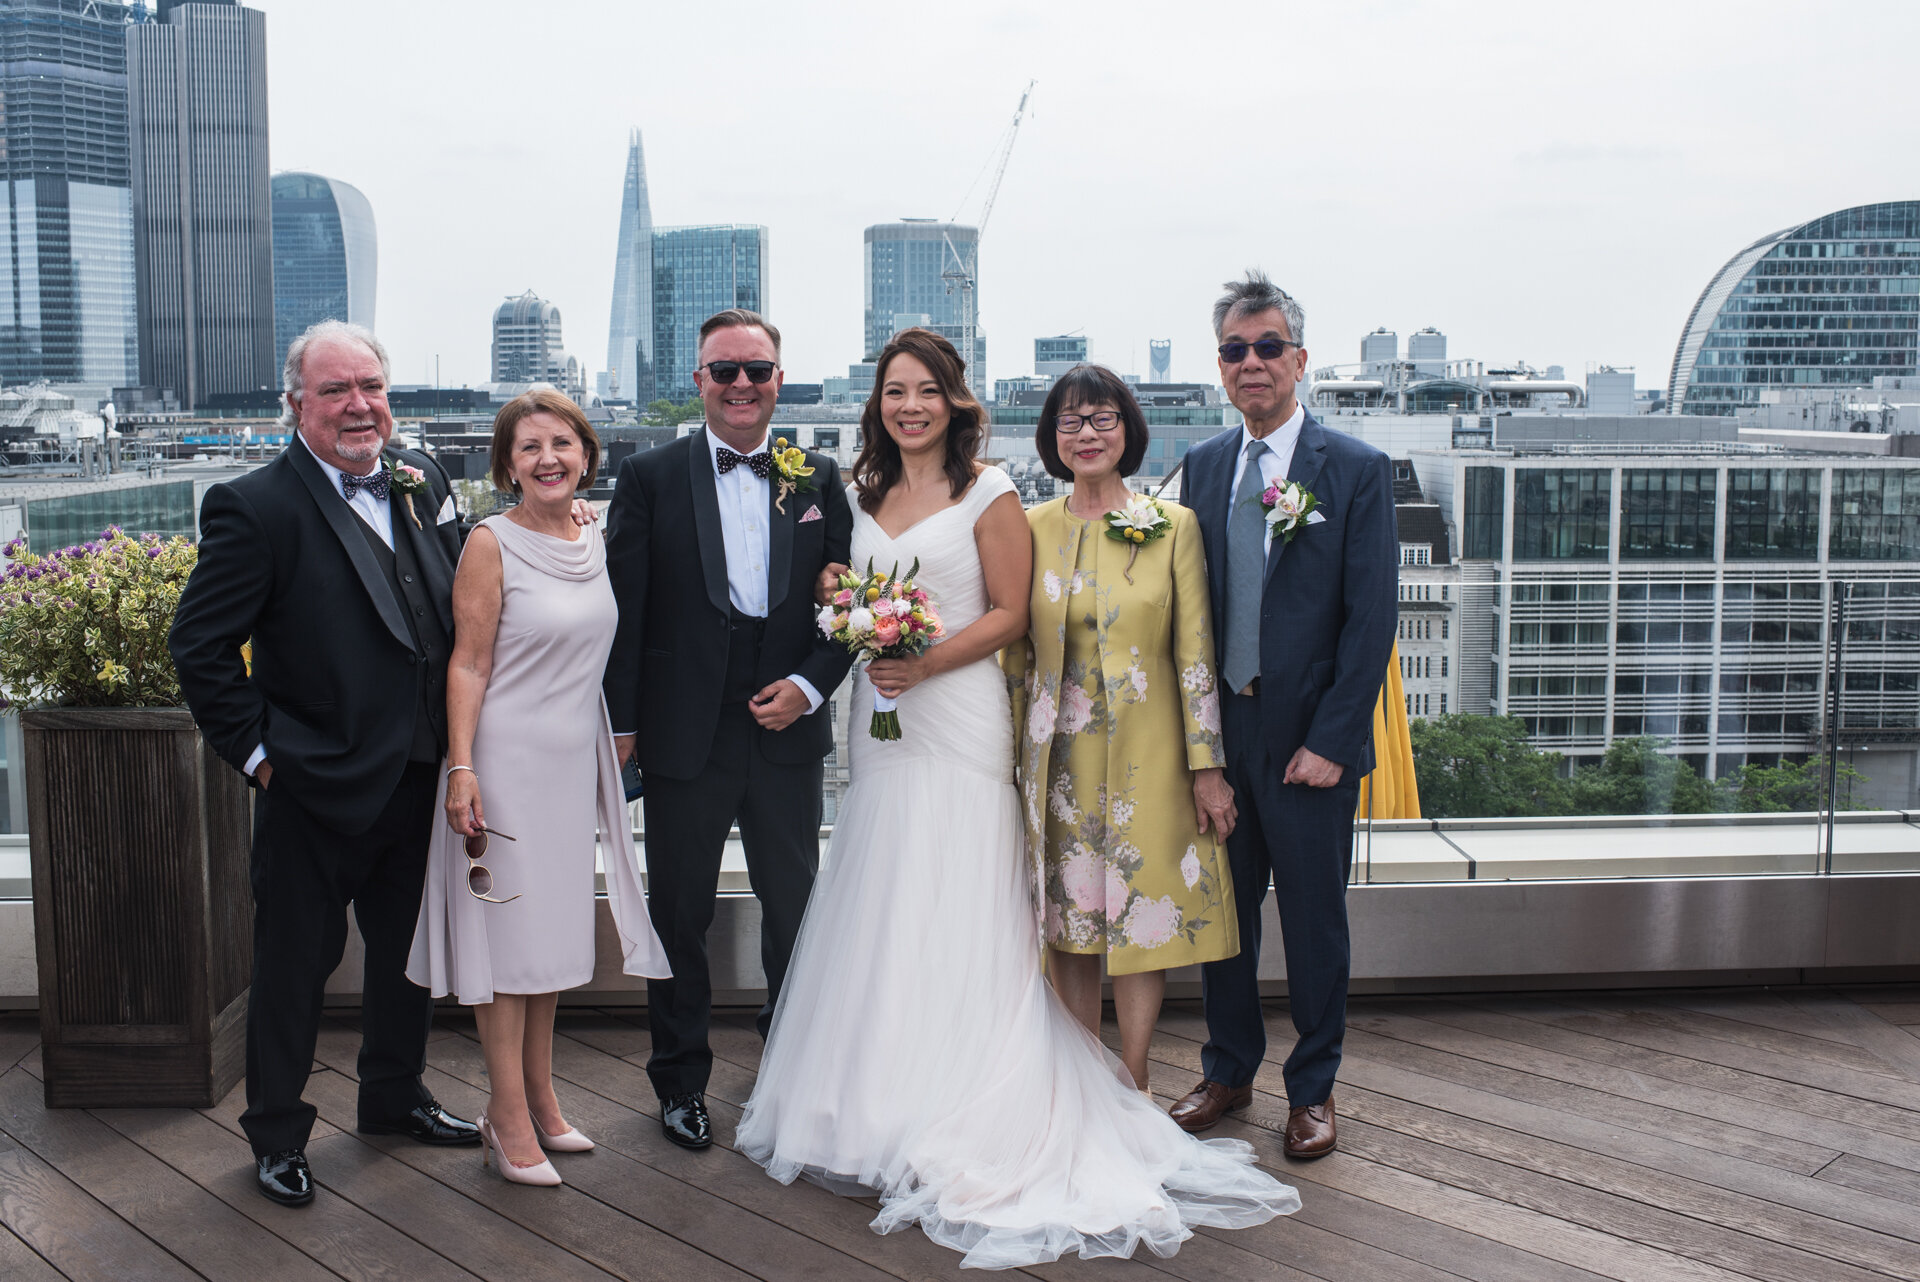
{"x":726,"y":373}
{"x":1266,"y":349}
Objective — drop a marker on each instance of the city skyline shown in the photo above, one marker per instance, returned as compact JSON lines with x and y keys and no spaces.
{"x":1577,"y":229}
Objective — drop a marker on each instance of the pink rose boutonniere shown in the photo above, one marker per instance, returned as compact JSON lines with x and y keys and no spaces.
{"x":406,"y":479}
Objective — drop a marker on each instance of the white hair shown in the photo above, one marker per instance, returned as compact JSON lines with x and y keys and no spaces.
{"x":1255,"y":294}
{"x":293,"y":377}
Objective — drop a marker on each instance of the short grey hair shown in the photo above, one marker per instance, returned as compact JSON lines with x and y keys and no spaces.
{"x":293,"y":376}
{"x":1255,"y":294}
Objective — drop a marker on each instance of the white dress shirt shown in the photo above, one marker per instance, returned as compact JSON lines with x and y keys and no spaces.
{"x":377,"y":513}
{"x":1276,"y":462}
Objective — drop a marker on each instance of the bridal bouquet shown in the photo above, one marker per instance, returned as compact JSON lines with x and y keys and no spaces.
{"x":882,"y":616}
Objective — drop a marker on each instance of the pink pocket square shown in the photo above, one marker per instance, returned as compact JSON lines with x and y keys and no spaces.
{"x":812,"y":514}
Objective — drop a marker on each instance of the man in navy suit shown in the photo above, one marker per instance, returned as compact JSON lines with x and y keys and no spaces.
{"x":1304,"y":619}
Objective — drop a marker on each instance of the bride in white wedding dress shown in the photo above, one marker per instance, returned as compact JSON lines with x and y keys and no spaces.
{"x":917,"y":1051}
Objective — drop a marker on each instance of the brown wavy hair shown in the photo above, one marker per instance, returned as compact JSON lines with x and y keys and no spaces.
{"x":878,"y":468}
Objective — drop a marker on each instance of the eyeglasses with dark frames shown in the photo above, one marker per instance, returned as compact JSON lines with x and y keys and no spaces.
{"x":1266,"y":349}
{"x":479,"y":879}
{"x":726,"y":373}
{"x":1104,"y":421}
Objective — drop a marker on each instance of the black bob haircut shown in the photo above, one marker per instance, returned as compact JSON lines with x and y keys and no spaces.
{"x":1091,"y":385}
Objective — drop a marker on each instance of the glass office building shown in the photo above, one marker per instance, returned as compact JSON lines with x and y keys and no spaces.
{"x":1688,"y":597}
{"x":66,"y":265}
{"x":698,"y":271}
{"x":527,"y":346}
{"x":325,"y":256}
{"x":1834,"y":302}
{"x":630,"y":329}
{"x":913,"y":268}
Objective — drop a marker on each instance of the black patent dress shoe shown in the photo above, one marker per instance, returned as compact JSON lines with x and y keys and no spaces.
{"x":684,"y":1119}
{"x":430,"y":1124}
{"x":284,"y":1177}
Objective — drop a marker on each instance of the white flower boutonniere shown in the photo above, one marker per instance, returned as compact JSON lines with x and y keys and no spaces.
{"x":1287,"y":508}
{"x":1137,"y":524}
{"x":404,"y":478}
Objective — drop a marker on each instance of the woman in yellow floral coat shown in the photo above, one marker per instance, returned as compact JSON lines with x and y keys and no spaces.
{"x":1121,"y":768}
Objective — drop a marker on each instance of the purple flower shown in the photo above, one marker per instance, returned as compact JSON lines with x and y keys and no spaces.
{"x":153,"y":553}
{"x":34,"y":572}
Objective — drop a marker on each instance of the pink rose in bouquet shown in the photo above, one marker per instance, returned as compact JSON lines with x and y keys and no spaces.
{"x":882,"y":616}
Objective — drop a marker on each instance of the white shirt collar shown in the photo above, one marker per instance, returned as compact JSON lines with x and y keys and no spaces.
{"x":1282,"y":439}
{"x":333,"y":473}
{"x":715,"y":445}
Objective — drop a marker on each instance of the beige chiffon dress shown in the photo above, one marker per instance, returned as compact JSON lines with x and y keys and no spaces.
{"x":543,"y":751}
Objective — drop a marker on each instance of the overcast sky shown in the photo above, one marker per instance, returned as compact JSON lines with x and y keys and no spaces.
{"x":1548,"y":183}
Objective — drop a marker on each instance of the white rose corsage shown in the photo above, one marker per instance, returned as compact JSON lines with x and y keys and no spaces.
{"x":1287,"y":508}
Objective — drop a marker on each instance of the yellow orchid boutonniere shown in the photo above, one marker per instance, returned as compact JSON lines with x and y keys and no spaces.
{"x":790,"y":464}
{"x":1137,"y":524}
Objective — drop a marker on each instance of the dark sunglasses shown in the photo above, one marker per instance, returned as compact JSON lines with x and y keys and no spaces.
{"x":726,"y":372}
{"x":479,"y":880}
{"x":1266,"y":349}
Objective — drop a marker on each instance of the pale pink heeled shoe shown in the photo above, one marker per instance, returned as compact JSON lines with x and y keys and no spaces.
{"x":540,"y":1173}
{"x":571,"y":1141}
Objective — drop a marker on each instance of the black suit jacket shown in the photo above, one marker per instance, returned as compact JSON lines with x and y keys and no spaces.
{"x":1331,"y":601}
{"x":666,"y":557}
{"x":335,"y":676}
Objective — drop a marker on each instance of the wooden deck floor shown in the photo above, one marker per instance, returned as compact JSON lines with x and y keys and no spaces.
{"x":1635,"y":1136}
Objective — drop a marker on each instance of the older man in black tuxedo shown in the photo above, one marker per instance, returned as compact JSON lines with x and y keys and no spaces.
{"x":718,"y":681}
{"x":336,"y":560}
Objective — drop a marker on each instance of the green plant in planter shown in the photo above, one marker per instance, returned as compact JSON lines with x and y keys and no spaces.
{"x":86,"y":626}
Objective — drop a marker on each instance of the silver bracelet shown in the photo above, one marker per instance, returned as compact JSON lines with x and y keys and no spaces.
{"x":468,"y":769}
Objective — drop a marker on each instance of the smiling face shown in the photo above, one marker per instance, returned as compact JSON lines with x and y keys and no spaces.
{"x":342,"y":414}
{"x":1088,"y":453}
{"x":1263,"y":390}
{"x":548,"y":459}
{"x":738,"y":412}
{"x":913,"y":409}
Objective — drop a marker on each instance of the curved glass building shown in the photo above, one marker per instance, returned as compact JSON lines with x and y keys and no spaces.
{"x":325,"y":256}
{"x":1834,"y":302}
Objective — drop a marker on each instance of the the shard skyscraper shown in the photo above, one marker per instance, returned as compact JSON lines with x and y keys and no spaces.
{"x":630,"y":331}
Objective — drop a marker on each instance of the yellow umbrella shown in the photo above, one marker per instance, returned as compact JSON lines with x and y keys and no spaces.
{"x":1391,"y":791}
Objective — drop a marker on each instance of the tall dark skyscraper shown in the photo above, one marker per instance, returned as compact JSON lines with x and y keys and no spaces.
{"x":325,"y":256}
{"x":66,"y":263}
{"x":203,"y":220}
{"x":630,"y":331}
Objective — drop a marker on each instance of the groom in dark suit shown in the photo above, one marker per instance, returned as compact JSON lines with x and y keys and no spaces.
{"x":1305,"y":614}
{"x":336,"y":560}
{"x":718,"y":680}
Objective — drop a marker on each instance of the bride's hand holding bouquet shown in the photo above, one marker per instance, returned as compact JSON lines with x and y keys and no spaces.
{"x":890,"y":622}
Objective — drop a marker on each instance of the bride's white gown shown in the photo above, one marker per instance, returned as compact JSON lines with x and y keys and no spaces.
{"x":917,"y":1051}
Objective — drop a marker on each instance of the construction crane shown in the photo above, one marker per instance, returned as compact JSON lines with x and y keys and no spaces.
{"x":961,"y":271}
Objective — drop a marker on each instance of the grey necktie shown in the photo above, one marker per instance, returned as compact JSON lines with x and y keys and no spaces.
{"x":1246,"y":573}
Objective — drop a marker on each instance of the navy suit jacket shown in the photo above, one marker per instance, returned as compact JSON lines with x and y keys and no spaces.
{"x":1331,"y":602}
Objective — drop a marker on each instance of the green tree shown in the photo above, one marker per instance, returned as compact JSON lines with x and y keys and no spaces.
{"x":1789,"y":786}
{"x":1636,"y":777}
{"x":1480,"y":767}
{"x":666,"y":413}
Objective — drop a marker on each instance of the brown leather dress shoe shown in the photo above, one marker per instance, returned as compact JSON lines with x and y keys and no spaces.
{"x":1310,"y":1130}
{"x":1206,"y":1103}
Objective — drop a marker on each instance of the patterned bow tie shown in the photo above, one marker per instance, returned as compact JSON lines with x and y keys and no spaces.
{"x":376,"y":483}
{"x":760,"y":464}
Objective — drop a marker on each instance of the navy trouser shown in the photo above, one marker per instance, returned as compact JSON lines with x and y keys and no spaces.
{"x":1299,"y":840}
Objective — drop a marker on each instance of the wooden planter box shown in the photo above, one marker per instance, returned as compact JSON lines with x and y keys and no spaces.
{"x":142,"y":909}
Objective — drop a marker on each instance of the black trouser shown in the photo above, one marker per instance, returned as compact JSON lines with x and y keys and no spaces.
{"x":778,"y":810}
{"x":304,"y":876}
{"x":1300,"y":840}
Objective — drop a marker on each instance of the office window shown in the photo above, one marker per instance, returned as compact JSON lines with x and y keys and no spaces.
{"x":1485,"y":513}
{"x":1561,"y":514}
{"x":1876,"y":514}
{"x":1773,"y":514}
{"x":1667,"y":513}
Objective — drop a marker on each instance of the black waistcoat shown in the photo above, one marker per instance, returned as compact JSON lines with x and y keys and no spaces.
{"x":744,"y":635}
{"x":431,"y":645}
